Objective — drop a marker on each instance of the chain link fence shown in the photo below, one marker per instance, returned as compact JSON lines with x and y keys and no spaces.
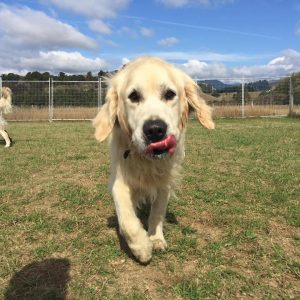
{"x":254,"y":97}
{"x":52,"y":100}
{"x":73,"y":100}
{"x":30,"y":100}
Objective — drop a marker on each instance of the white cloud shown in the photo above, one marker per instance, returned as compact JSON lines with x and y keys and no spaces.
{"x":174,"y":3}
{"x":30,"y":28}
{"x":147,"y":32}
{"x":111,"y":43}
{"x":70,"y":62}
{"x":128,"y":31}
{"x":203,"y":3}
{"x":288,"y":62}
{"x":168,"y":42}
{"x":92,"y":8}
{"x":196,"y":68}
{"x":54,"y":62}
{"x":132,"y":33}
{"x":125,"y":60}
{"x":289,"y":57}
{"x":99,"y":26}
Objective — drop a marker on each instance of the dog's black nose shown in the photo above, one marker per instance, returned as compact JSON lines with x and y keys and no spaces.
{"x":155,"y":130}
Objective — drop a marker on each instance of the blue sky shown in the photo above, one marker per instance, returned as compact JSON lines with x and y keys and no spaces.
{"x":206,"y":38}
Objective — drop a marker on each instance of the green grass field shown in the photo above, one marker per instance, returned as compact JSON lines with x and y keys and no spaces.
{"x":233,"y":231}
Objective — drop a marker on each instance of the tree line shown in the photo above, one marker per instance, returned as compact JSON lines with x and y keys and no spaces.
{"x":38,"y":76}
{"x":86,"y":94}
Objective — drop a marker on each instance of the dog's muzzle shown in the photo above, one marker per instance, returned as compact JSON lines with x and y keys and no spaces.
{"x":159,"y":144}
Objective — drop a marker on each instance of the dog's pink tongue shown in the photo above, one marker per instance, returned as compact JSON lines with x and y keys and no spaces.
{"x":169,"y":143}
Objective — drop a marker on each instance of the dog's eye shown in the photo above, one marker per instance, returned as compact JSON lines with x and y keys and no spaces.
{"x":169,"y":94}
{"x":134,"y":96}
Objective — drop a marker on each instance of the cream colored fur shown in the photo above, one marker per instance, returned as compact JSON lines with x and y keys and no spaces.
{"x":5,"y":107}
{"x":138,"y":177}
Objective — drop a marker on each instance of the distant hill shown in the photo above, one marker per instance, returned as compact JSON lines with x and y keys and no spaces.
{"x":260,"y":85}
{"x":217,"y":84}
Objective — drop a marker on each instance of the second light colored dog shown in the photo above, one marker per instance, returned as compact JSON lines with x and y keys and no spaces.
{"x":5,"y":107}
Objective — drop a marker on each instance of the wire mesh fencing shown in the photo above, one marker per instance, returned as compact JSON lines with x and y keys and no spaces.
{"x":253,"y":97}
{"x":72,"y":100}
{"x":52,"y":100}
{"x":30,"y":100}
{"x":55,"y":100}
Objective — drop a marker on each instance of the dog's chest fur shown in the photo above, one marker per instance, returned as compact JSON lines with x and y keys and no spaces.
{"x":142,"y":173}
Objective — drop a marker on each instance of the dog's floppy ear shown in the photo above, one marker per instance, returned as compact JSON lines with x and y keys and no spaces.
{"x":106,"y":117}
{"x":194,"y":99}
{"x":6,"y":92}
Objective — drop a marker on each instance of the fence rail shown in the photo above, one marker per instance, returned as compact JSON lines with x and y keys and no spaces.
{"x":52,"y":100}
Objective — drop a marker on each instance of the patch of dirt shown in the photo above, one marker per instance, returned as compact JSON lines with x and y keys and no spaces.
{"x":147,"y":279}
{"x":206,"y":232}
{"x":282,"y":234}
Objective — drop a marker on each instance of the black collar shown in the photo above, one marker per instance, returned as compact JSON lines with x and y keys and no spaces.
{"x":126,"y":153}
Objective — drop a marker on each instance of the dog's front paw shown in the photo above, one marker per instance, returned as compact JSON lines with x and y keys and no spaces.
{"x":158,"y":243}
{"x":142,"y":250}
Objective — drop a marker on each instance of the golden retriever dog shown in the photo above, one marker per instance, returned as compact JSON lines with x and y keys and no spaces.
{"x":5,"y":107}
{"x":145,"y":118}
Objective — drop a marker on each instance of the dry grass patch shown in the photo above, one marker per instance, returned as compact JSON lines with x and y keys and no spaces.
{"x":234,"y":111}
{"x":35,"y":113}
{"x":86,"y":113}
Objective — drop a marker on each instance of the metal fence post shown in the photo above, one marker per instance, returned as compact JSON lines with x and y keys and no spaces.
{"x":0,"y":86}
{"x":291,"y":96}
{"x":0,"y":92}
{"x":243,"y":98}
{"x":50,"y":99}
{"x":99,"y":93}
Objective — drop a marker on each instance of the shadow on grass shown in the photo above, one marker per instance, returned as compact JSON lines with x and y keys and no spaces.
{"x":3,"y":143}
{"x":47,"y":279}
{"x":112,"y":222}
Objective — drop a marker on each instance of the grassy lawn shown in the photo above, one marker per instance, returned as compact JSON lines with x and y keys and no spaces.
{"x":233,"y":229}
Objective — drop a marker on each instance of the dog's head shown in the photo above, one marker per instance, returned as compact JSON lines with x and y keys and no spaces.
{"x":6,"y":92}
{"x":150,"y":100}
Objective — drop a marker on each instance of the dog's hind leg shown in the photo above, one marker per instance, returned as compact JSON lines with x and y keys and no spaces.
{"x":6,"y":138}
